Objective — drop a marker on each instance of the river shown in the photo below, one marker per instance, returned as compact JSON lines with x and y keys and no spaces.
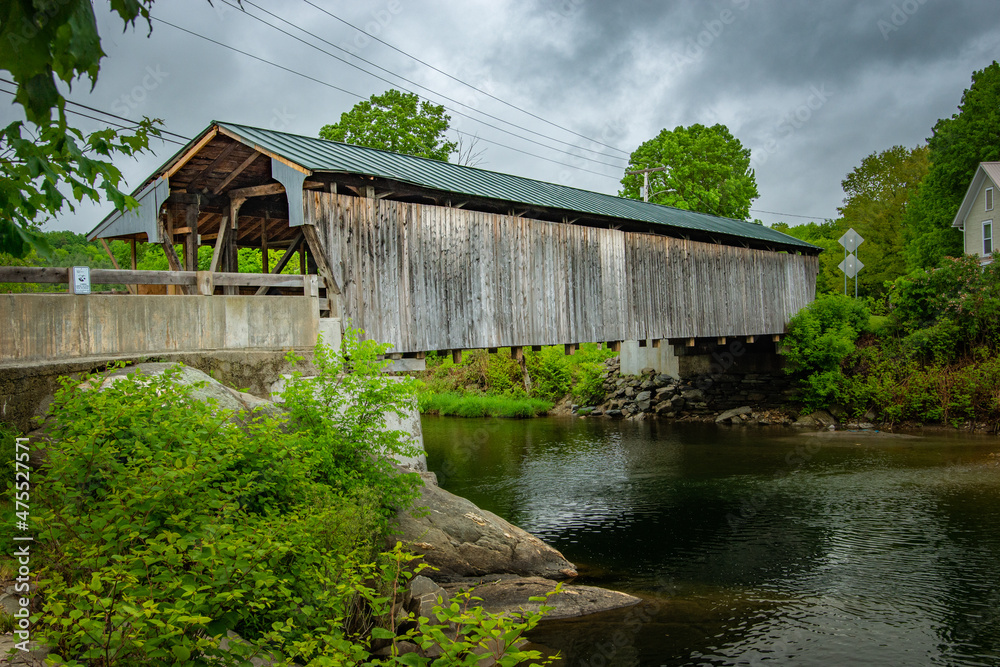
{"x":750,"y":545}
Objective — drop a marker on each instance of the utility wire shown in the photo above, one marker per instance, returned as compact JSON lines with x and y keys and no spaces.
{"x":464,"y":83}
{"x":403,"y":78}
{"x":791,"y":215}
{"x":338,"y":88}
{"x":414,"y":83}
{"x":107,"y":122}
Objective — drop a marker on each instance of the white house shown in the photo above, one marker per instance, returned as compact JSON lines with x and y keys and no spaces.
{"x":976,"y":215}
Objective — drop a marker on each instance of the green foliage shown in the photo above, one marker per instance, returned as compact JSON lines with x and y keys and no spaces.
{"x":877,"y":194}
{"x":708,"y":170}
{"x":397,"y":122}
{"x":550,"y":371}
{"x":948,"y":312}
{"x":8,"y":438}
{"x":162,"y":523}
{"x":820,"y":337}
{"x":957,"y":147}
{"x":344,"y":410}
{"x":482,"y":405}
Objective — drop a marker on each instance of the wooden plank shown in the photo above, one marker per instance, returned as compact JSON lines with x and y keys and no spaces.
{"x":213,"y":165}
{"x":235,"y":172}
{"x":219,"y":240}
{"x":191,"y":152}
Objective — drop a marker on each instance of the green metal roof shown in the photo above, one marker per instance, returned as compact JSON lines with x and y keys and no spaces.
{"x":323,"y":155}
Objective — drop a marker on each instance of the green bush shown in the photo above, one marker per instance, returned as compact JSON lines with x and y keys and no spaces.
{"x":820,"y":338}
{"x":161,"y":524}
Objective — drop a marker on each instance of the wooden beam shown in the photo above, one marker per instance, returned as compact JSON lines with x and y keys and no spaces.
{"x":536,"y":348}
{"x":219,"y":240}
{"x":261,"y":149}
{"x":191,"y":238}
{"x":456,"y":356}
{"x":226,"y":152}
{"x":491,"y":350}
{"x":318,"y":254}
{"x":642,"y":342}
{"x":263,"y":243}
{"x":614,"y":345}
{"x":191,"y":152}
{"x":258,"y":190}
{"x":569,"y":348}
{"x":206,"y":286}
{"x":235,"y":172}
{"x":721,"y":340}
{"x":656,"y":342}
{"x":750,"y":339}
{"x":284,"y":259}
{"x":517,"y":353}
{"x":689,"y":342}
{"x":776,"y":338}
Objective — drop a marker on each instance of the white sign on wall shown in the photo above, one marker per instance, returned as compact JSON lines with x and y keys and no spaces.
{"x":79,"y":280}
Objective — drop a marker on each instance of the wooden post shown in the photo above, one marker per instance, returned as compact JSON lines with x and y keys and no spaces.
{"x":135,"y":288}
{"x":614,"y":345}
{"x":310,"y":286}
{"x":656,"y":343}
{"x":206,"y":283}
{"x":517,"y":353}
{"x":750,"y":339}
{"x":569,"y":348}
{"x":191,"y":239}
{"x":263,"y":241}
{"x":220,"y":239}
{"x":232,"y":251}
{"x":721,"y":340}
{"x":456,"y":356}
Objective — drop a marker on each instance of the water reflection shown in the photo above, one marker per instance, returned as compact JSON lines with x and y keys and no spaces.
{"x":751,"y":546}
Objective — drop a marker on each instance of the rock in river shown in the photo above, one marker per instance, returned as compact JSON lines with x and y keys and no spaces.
{"x":462,"y":540}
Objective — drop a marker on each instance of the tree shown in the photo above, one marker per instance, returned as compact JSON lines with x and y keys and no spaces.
{"x":707,"y":170}
{"x":957,"y":147}
{"x":44,"y":156}
{"x":878,"y":192}
{"x":397,"y":122}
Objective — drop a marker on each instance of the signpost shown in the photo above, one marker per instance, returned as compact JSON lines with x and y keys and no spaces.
{"x":851,"y":265}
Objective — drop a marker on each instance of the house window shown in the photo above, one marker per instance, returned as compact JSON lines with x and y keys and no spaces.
{"x":988,"y":237}
{"x":989,"y":199}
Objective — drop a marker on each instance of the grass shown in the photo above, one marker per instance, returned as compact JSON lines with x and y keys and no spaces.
{"x":478,"y":405}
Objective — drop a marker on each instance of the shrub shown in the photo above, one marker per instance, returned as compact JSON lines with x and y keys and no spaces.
{"x":820,"y":337}
{"x":161,"y":524}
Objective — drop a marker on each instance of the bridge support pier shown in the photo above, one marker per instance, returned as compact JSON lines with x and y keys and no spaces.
{"x":736,"y":373}
{"x":636,"y":355}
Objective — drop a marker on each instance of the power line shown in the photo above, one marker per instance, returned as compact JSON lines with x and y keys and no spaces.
{"x":791,"y":215}
{"x":414,"y":83}
{"x":105,"y":121}
{"x":464,"y":83}
{"x":338,"y":88}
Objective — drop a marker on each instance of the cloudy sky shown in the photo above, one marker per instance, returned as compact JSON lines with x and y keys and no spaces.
{"x":811,"y":88}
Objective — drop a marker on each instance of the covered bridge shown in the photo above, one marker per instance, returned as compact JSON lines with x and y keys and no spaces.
{"x":428,"y":255}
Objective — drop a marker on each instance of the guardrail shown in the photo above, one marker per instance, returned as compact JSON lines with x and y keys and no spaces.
{"x":203,"y":282}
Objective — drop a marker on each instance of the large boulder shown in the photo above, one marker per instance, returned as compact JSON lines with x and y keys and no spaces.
{"x":462,"y":540}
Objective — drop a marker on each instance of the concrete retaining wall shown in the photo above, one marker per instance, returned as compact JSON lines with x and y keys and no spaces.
{"x":634,"y":358}
{"x":64,"y":327}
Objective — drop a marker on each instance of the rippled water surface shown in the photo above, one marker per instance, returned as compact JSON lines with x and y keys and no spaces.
{"x":750,"y":546}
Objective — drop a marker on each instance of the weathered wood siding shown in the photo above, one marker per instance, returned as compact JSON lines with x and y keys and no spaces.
{"x":430,"y":278}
